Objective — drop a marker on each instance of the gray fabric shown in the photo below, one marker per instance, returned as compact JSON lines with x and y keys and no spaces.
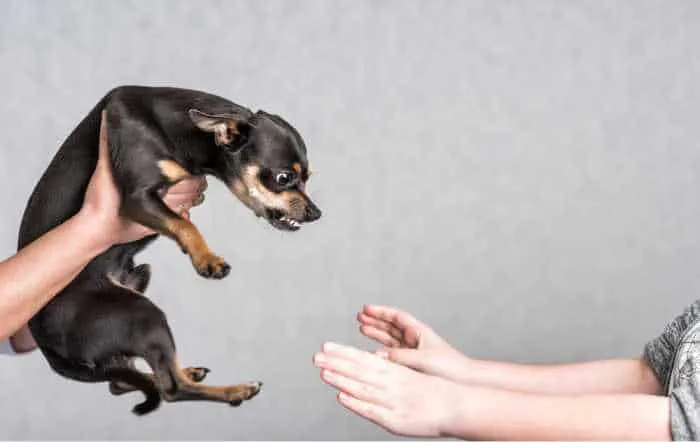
{"x":674,"y":356}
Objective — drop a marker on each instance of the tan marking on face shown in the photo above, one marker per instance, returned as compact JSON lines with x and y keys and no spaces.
{"x":296,"y":167}
{"x":241,"y":191}
{"x":258,"y":192}
{"x":257,"y":197}
{"x":172,"y":171}
{"x":296,"y":204}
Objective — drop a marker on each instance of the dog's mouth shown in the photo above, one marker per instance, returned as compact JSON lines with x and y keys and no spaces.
{"x":281,"y":221}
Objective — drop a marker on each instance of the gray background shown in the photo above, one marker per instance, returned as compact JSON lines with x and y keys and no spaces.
{"x":521,"y":175}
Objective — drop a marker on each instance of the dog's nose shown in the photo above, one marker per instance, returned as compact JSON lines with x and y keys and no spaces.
{"x":312,"y":213}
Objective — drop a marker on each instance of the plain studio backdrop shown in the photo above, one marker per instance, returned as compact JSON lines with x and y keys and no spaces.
{"x":523,"y":176}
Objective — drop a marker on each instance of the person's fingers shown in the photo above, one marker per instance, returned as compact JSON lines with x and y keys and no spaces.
{"x":141,"y":232}
{"x":102,"y":166}
{"x":352,"y":354}
{"x":345,"y":367}
{"x":199,"y":200}
{"x":392,"y":315}
{"x":203,"y":184}
{"x":180,"y":200}
{"x":358,"y":370}
{"x":381,"y":325}
{"x":359,"y":390}
{"x":103,"y":130}
{"x":187,"y":193}
{"x":380,"y":336}
{"x":412,"y":328}
{"x":189,"y":185}
{"x":103,"y":149}
{"x":101,"y":193}
{"x":367,"y":410}
{"x":407,"y":357}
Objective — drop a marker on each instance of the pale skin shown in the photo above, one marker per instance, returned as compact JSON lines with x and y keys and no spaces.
{"x":32,"y":277}
{"x":418,"y":385}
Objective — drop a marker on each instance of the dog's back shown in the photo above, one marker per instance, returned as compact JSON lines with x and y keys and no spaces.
{"x":59,"y":193}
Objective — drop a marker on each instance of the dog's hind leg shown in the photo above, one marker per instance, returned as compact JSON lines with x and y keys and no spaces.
{"x":115,"y":373}
{"x":138,"y":381}
{"x":71,"y":369}
{"x":176,"y":384}
{"x":195,"y":374}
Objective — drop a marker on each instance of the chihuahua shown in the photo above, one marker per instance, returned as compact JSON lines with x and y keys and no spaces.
{"x":96,"y":327}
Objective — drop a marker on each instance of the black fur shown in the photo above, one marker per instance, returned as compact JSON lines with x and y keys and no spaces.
{"x":92,"y":330}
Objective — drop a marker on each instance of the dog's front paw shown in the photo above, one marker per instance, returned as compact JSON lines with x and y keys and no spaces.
{"x":212,"y":266}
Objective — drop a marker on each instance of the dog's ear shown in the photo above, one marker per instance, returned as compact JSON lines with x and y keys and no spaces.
{"x":226,"y":127}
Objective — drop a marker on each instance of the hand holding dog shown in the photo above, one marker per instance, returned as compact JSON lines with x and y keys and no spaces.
{"x":101,"y":205}
{"x":63,"y":252}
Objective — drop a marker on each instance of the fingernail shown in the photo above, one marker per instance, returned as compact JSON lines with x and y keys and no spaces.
{"x":319,"y":358}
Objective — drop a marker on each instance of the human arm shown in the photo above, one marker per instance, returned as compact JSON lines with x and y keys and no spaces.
{"x":33,"y":276}
{"x":590,"y":377}
{"x":488,"y":413}
{"x":409,"y":403}
{"x":29,"y":279}
{"x":414,"y":344}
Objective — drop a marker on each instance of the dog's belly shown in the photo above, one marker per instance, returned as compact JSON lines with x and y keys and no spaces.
{"x":93,"y":324}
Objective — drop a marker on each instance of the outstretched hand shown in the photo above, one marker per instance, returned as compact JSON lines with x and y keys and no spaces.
{"x":412,"y":343}
{"x":403,"y":401}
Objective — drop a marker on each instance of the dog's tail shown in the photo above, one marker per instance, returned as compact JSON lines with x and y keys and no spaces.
{"x":141,"y":382}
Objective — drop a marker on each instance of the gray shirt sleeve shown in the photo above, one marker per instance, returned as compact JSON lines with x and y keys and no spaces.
{"x":660,"y":351}
{"x":674,"y":357}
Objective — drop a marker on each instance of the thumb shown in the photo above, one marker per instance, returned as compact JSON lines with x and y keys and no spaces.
{"x":408,"y":357}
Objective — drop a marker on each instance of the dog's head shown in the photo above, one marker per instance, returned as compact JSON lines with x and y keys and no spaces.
{"x":265,"y":165}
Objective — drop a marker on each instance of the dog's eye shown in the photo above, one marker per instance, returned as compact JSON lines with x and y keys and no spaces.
{"x":283,"y":178}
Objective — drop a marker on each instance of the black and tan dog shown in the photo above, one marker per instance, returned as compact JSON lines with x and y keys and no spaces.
{"x":95,"y":328}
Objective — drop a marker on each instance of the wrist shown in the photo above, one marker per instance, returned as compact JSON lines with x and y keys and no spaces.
{"x":455,"y":409}
{"x":464,"y":369}
{"x":477,"y":413}
{"x":93,"y":230}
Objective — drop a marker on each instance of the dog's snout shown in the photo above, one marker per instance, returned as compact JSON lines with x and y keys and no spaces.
{"x":312,"y":213}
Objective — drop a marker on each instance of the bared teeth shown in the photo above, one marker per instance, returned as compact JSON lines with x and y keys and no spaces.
{"x":290,"y":222}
